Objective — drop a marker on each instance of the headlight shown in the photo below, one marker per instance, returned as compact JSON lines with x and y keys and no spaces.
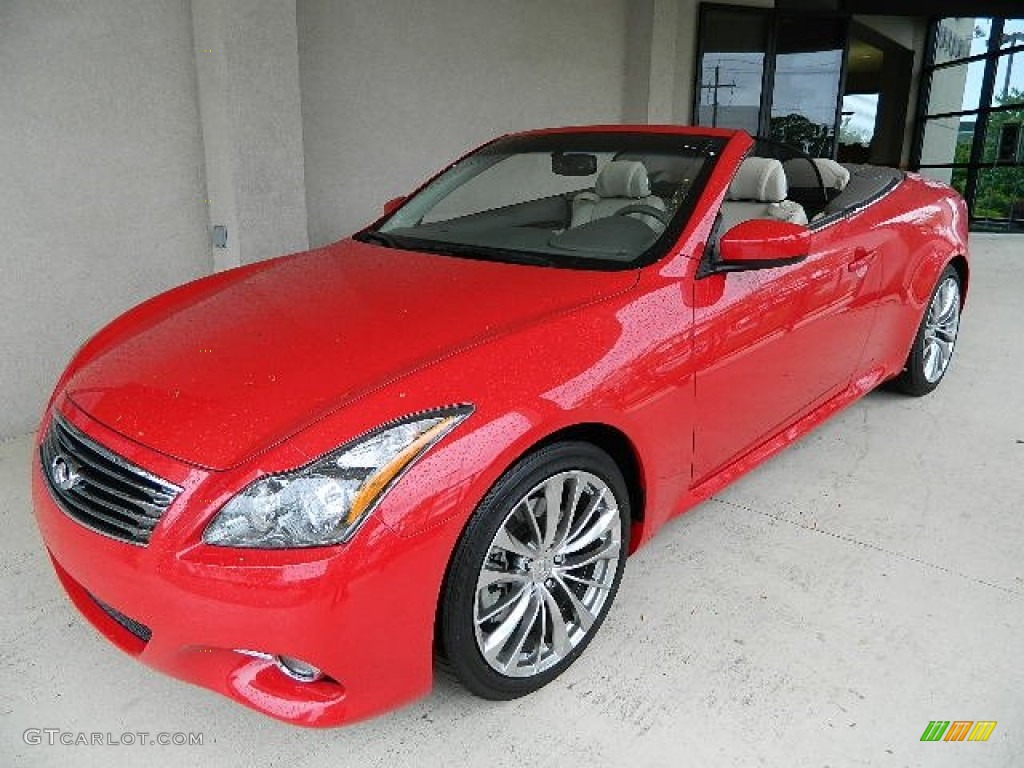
{"x":326,"y":501}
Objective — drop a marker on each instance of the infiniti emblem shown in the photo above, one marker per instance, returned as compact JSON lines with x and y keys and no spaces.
{"x":64,"y":475}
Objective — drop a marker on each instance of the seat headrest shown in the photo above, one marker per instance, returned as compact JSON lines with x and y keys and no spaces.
{"x":759,"y":178}
{"x":800,"y":174}
{"x":623,"y":178}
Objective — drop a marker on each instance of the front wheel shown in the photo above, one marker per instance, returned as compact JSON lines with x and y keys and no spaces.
{"x":536,"y":571}
{"x":933,"y":346}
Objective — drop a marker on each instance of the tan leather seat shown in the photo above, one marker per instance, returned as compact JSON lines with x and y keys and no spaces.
{"x":758,"y":191}
{"x":621,"y":183}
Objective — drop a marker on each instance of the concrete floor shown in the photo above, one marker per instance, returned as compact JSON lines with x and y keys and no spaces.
{"x":817,"y":613}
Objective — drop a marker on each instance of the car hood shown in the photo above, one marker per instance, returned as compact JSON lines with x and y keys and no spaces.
{"x":235,"y":363}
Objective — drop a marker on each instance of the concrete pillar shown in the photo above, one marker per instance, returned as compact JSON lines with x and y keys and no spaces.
{"x":658,"y":41}
{"x":637,"y":73}
{"x":687,"y":15}
{"x":664,"y":71}
{"x":247,"y":65}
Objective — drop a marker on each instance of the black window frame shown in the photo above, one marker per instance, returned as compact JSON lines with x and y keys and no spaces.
{"x":975,"y":163}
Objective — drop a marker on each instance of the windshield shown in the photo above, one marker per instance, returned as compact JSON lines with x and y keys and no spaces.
{"x":612,"y":200}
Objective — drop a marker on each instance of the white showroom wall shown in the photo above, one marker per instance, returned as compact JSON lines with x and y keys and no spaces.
{"x":129,"y":129}
{"x":247,"y":62}
{"x":392,"y":90}
{"x":101,"y":178}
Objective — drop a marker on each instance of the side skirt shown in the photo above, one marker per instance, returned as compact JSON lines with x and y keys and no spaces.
{"x":773,"y":445}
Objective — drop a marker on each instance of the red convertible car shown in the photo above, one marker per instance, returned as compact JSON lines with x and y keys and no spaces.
{"x":301,"y":482}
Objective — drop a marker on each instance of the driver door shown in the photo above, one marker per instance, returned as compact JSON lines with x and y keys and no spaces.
{"x":773,"y":344}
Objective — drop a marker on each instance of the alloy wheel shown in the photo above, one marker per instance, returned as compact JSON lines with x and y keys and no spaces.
{"x":547,"y":574}
{"x":940,"y":329}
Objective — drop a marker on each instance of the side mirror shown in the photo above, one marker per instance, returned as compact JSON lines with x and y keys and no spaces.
{"x":762,"y":244}
{"x":393,"y":204}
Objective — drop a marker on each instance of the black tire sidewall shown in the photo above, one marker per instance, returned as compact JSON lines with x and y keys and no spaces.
{"x":457,"y":631}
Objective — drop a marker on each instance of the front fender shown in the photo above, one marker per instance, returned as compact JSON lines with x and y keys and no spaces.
{"x":625,"y":365}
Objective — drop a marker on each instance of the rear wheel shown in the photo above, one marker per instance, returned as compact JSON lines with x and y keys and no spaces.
{"x":536,"y":571}
{"x":933,"y":346}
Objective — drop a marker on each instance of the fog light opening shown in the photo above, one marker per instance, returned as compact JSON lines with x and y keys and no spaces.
{"x":297,"y":669}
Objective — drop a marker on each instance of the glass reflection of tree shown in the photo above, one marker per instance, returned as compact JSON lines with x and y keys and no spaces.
{"x":1000,"y":190}
{"x":800,"y":132}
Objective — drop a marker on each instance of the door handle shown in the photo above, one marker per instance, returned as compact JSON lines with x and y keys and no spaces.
{"x":861,"y":259}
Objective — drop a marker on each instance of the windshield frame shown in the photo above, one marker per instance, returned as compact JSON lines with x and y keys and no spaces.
{"x":708,"y":146}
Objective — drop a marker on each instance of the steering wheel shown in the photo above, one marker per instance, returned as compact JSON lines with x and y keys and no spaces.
{"x":646,"y":210}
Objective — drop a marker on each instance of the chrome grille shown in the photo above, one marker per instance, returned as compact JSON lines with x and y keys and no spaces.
{"x":101,"y":490}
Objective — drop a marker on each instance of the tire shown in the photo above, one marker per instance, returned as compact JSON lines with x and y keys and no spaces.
{"x":935,"y":342}
{"x":514,"y":614}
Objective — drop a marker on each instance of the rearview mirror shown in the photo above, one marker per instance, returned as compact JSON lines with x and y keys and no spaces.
{"x":573,"y":164}
{"x":762,"y":244}
{"x":393,"y":204}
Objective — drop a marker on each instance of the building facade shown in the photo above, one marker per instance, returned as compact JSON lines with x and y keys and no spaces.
{"x":145,"y":144}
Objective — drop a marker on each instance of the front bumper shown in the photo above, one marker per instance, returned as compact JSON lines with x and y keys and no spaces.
{"x":363,"y":612}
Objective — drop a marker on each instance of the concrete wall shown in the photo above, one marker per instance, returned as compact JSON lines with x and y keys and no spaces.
{"x":101,"y":178}
{"x":247,"y":61}
{"x":392,"y":90}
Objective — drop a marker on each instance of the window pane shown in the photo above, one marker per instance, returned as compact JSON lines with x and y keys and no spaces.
{"x":1004,"y":137}
{"x":1000,"y":194}
{"x":731,"y":70}
{"x":806,"y":93}
{"x":958,"y":38}
{"x":860,"y":113}
{"x":1009,"y":79}
{"x":731,"y":90}
{"x":956,"y":88}
{"x":1013,"y":33}
{"x":947,"y":140}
